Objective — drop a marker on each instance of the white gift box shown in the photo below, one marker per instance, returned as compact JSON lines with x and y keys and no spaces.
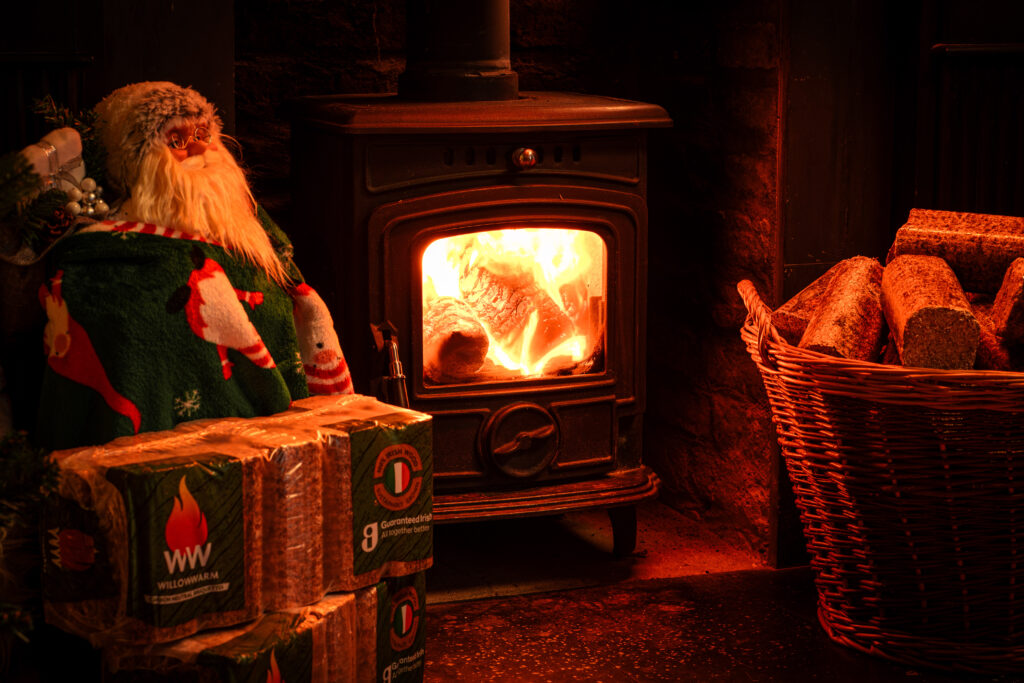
{"x":57,"y":159}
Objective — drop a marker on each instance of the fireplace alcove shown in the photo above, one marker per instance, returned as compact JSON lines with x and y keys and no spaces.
{"x":802,"y":134}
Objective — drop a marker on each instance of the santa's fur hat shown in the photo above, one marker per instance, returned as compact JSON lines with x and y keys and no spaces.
{"x":135,"y":117}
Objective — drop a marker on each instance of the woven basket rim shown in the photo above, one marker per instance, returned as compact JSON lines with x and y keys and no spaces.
{"x":963,"y":389}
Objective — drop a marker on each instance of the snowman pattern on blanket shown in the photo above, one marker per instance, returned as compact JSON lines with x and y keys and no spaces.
{"x":215,"y":313}
{"x":322,"y":358}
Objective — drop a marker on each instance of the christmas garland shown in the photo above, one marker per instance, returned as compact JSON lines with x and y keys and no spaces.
{"x":28,"y":217}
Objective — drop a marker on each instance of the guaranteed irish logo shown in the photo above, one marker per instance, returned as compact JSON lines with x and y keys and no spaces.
{"x":398,"y":476}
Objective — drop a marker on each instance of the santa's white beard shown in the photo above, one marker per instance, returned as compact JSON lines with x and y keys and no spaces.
{"x":205,"y":195}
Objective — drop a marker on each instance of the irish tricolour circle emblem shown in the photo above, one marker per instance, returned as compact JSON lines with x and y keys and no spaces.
{"x":398,"y":476}
{"x":405,"y":606}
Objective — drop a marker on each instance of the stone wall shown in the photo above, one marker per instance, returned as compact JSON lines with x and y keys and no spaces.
{"x":713,"y":187}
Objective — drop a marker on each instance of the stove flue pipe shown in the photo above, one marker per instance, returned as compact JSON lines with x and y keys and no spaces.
{"x":458,"y":50}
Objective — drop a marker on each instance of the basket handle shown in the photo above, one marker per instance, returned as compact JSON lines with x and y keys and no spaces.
{"x":760,"y":316}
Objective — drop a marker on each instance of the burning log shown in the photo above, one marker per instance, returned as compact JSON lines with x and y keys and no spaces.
{"x":978,"y":247}
{"x":576,"y":303}
{"x":849,"y":322}
{"x":454,"y":342}
{"x":928,"y":313}
{"x":505,"y":296}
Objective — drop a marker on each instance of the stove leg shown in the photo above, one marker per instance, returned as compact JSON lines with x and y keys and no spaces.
{"x":623,"y":529}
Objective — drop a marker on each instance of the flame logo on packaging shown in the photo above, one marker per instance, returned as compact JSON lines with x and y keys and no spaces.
{"x":72,"y":549}
{"x":186,"y":533}
{"x":398,"y":476}
{"x":405,"y":605}
{"x":273,"y":673}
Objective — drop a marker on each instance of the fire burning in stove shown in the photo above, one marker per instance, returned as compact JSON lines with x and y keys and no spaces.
{"x":513,"y":303}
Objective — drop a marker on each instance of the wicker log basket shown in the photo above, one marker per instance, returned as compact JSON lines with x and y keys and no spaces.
{"x":910,"y":487}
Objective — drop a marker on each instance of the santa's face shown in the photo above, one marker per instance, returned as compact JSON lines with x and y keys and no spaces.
{"x":189,"y":143}
{"x":192,"y":183}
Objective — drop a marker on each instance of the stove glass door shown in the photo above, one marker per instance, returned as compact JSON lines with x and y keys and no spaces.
{"x":515,"y":303}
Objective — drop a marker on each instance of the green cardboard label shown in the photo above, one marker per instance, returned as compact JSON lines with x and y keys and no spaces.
{"x":392,"y":489}
{"x":76,"y":562}
{"x":186,"y":537}
{"x":401,"y":629}
{"x":272,"y":652}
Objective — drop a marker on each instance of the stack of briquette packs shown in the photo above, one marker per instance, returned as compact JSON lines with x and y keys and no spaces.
{"x":283,"y":548}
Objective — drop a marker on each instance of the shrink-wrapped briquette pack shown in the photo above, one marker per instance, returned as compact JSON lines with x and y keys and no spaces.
{"x":156,"y":537}
{"x":373,"y":634}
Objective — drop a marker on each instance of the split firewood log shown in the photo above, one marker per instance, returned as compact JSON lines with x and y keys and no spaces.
{"x":504,"y":296}
{"x":928,"y":313}
{"x":848,"y":321}
{"x":994,"y":353}
{"x":1008,"y":308}
{"x":978,"y":247}
{"x":791,"y":318}
{"x":454,"y":342}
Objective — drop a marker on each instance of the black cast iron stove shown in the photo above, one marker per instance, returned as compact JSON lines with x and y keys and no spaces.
{"x":502,"y":235}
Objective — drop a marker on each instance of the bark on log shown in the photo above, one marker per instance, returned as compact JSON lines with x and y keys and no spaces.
{"x":928,"y":313}
{"x":454,"y":342}
{"x":978,"y":247}
{"x":848,"y":322}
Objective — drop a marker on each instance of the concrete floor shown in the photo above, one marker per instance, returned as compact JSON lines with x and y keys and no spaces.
{"x":538,"y":554}
{"x":543,"y":600}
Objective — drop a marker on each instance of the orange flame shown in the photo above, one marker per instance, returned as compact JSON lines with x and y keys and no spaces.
{"x":274,"y":674}
{"x":186,"y":527}
{"x":554,"y":281}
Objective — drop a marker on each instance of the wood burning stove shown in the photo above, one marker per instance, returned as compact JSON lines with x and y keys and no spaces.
{"x":502,"y":243}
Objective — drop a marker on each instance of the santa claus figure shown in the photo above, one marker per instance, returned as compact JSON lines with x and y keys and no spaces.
{"x":184,"y":303}
{"x":167,"y":161}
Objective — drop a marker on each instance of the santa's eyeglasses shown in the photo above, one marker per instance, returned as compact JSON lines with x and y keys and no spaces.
{"x":176,"y":140}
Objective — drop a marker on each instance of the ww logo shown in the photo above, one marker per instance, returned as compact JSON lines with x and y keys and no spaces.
{"x":176,"y":562}
{"x":186,"y":533}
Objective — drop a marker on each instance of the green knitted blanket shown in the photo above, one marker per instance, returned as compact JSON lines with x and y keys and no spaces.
{"x":148,"y":327}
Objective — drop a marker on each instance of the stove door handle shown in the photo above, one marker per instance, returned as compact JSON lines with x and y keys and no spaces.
{"x":524,"y":440}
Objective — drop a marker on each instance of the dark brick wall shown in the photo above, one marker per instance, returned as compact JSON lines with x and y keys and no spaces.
{"x":713,"y":186}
